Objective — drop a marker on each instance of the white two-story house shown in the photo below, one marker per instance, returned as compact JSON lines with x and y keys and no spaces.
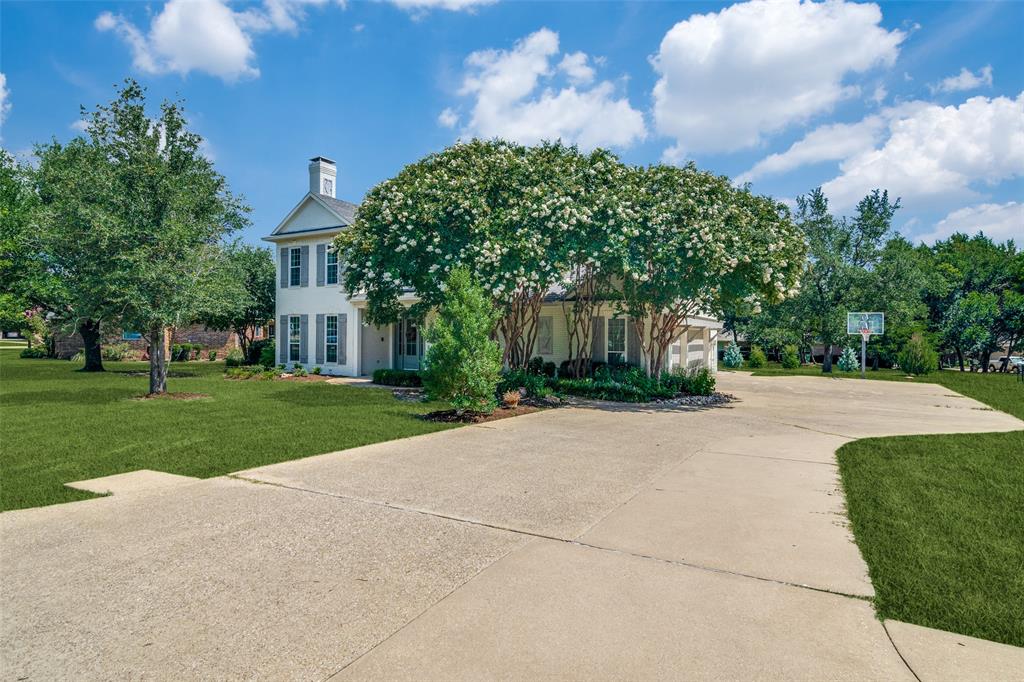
{"x":318,"y":325}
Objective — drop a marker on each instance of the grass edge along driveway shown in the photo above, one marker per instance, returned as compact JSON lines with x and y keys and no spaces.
{"x":59,"y":425}
{"x":939,"y":519}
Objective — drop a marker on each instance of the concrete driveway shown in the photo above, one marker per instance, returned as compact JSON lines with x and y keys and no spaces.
{"x":582,"y":543}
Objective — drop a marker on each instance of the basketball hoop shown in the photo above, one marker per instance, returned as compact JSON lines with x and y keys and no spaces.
{"x":864,"y":324}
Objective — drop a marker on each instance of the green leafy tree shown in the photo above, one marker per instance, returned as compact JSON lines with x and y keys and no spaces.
{"x":79,"y":245}
{"x":844,"y":269}
{"x":463,"y":362}
{"x":168,"y":211}
{"x":252,"y":267}
{"x":700,"y":246}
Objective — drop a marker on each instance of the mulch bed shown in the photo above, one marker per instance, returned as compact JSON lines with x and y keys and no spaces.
{"x":307,"y":378}
{"x":172,"y":396}
{"x":478,"y":417}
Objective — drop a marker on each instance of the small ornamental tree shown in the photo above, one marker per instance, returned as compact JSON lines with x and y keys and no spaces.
{"x":848,"y":361}
{"x":463,"y":362}
{"x":700,"y":246}
{"x":733,"y":358}
{"x":790,"y":357}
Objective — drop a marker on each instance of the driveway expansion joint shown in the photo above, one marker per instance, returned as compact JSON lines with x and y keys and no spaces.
{"x":900,"y":653}
{"x":554,"y":538}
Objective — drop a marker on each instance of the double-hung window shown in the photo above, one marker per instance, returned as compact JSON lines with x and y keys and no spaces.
{"x":616,"y":340}
{"x":332,"y":266}
{"x":295,"y":267}
{"x":294,"y":338}
{"x":332,"y":338}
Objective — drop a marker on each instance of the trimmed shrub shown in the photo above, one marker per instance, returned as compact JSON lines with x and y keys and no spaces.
{"x":918,"y":357}
{"x":463,"y":363}
{"x":116,"y":351}
{"x":535,"y":365}
{"x":790,"y":357}
{"x":234,"y":358}
{"x":256,"y":350}
{"x":589,"y":367}
{"x":733,"y":358}
{"x":298,"y":370}
{"x":251,"y":372}
{"x":268,"y":354}
{"x":757,"y":358}
{"x":602,"y":390}
{"x":33,"y":353}
{"x":397,"y":377}
{"x":316,"y":369}
{"x":698,"y":381}
{"x":549,"y":369}
{"x":848,"y":361}
{"x":534,"y":384}
{"x":212,"y":356}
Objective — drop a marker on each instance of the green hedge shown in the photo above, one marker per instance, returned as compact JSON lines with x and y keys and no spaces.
{"x":397,"y":377}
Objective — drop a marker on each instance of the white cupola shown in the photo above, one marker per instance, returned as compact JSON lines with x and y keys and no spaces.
{"x":322,"y":174}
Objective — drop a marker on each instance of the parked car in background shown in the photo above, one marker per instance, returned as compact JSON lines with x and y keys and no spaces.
{"x":1012,"y":363}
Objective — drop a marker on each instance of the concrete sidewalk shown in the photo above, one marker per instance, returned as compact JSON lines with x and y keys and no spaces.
{"x":576,"y":543}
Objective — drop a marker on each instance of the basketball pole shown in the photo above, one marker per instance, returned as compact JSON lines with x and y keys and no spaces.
{"x":863,"y":354}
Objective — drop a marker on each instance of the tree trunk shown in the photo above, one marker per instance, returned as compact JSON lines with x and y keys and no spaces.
{"x":960,"y":358}
{"x":826,"y":362}
{"x":90,"y":332}
{"x":984,"y":358}
{"x":157,"y":362}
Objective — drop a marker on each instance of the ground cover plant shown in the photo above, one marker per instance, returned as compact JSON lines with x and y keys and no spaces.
{"x":62,"y":425}
{"x":939,"y":519}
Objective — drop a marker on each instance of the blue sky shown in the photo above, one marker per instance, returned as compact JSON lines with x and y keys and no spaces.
{"x":923,"y":98}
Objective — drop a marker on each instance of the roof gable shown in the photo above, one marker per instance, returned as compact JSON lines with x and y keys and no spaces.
{"x":316,"y":212}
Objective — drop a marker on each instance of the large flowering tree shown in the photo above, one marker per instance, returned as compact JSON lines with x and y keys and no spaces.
{"x":697,"y":245}
{"x":481,"y":205}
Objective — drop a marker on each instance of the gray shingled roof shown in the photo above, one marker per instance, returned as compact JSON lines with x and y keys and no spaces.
{"x":343,"y":208}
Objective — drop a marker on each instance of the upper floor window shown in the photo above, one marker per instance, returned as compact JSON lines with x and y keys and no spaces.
{"x":295,"y":267}
{"x":616,"y":341}
{"x":332,"y":266}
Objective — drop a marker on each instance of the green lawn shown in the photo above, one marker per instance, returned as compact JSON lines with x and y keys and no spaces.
{"x":58,"y":424}
{"x":940,"y":519}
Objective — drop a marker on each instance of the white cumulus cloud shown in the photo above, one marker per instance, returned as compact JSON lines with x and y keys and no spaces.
{"x":448,"y":118}
{"x":833,"y":142}
{"x":450,"y":5}
{"x":728,"y":78}
{"x":937,"y":153}
{"x":998,"y":221}
{"x":516,"y":94}
{"x":965,"y":80}
{"x":5,"y":99}
{"x":205,"y":35}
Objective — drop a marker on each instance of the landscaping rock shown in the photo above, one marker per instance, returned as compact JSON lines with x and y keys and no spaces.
{"x":698,"y":400}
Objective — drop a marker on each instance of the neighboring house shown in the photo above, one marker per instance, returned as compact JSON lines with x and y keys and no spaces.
{"x":67,"y":345}
{"x":318,"y":324}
